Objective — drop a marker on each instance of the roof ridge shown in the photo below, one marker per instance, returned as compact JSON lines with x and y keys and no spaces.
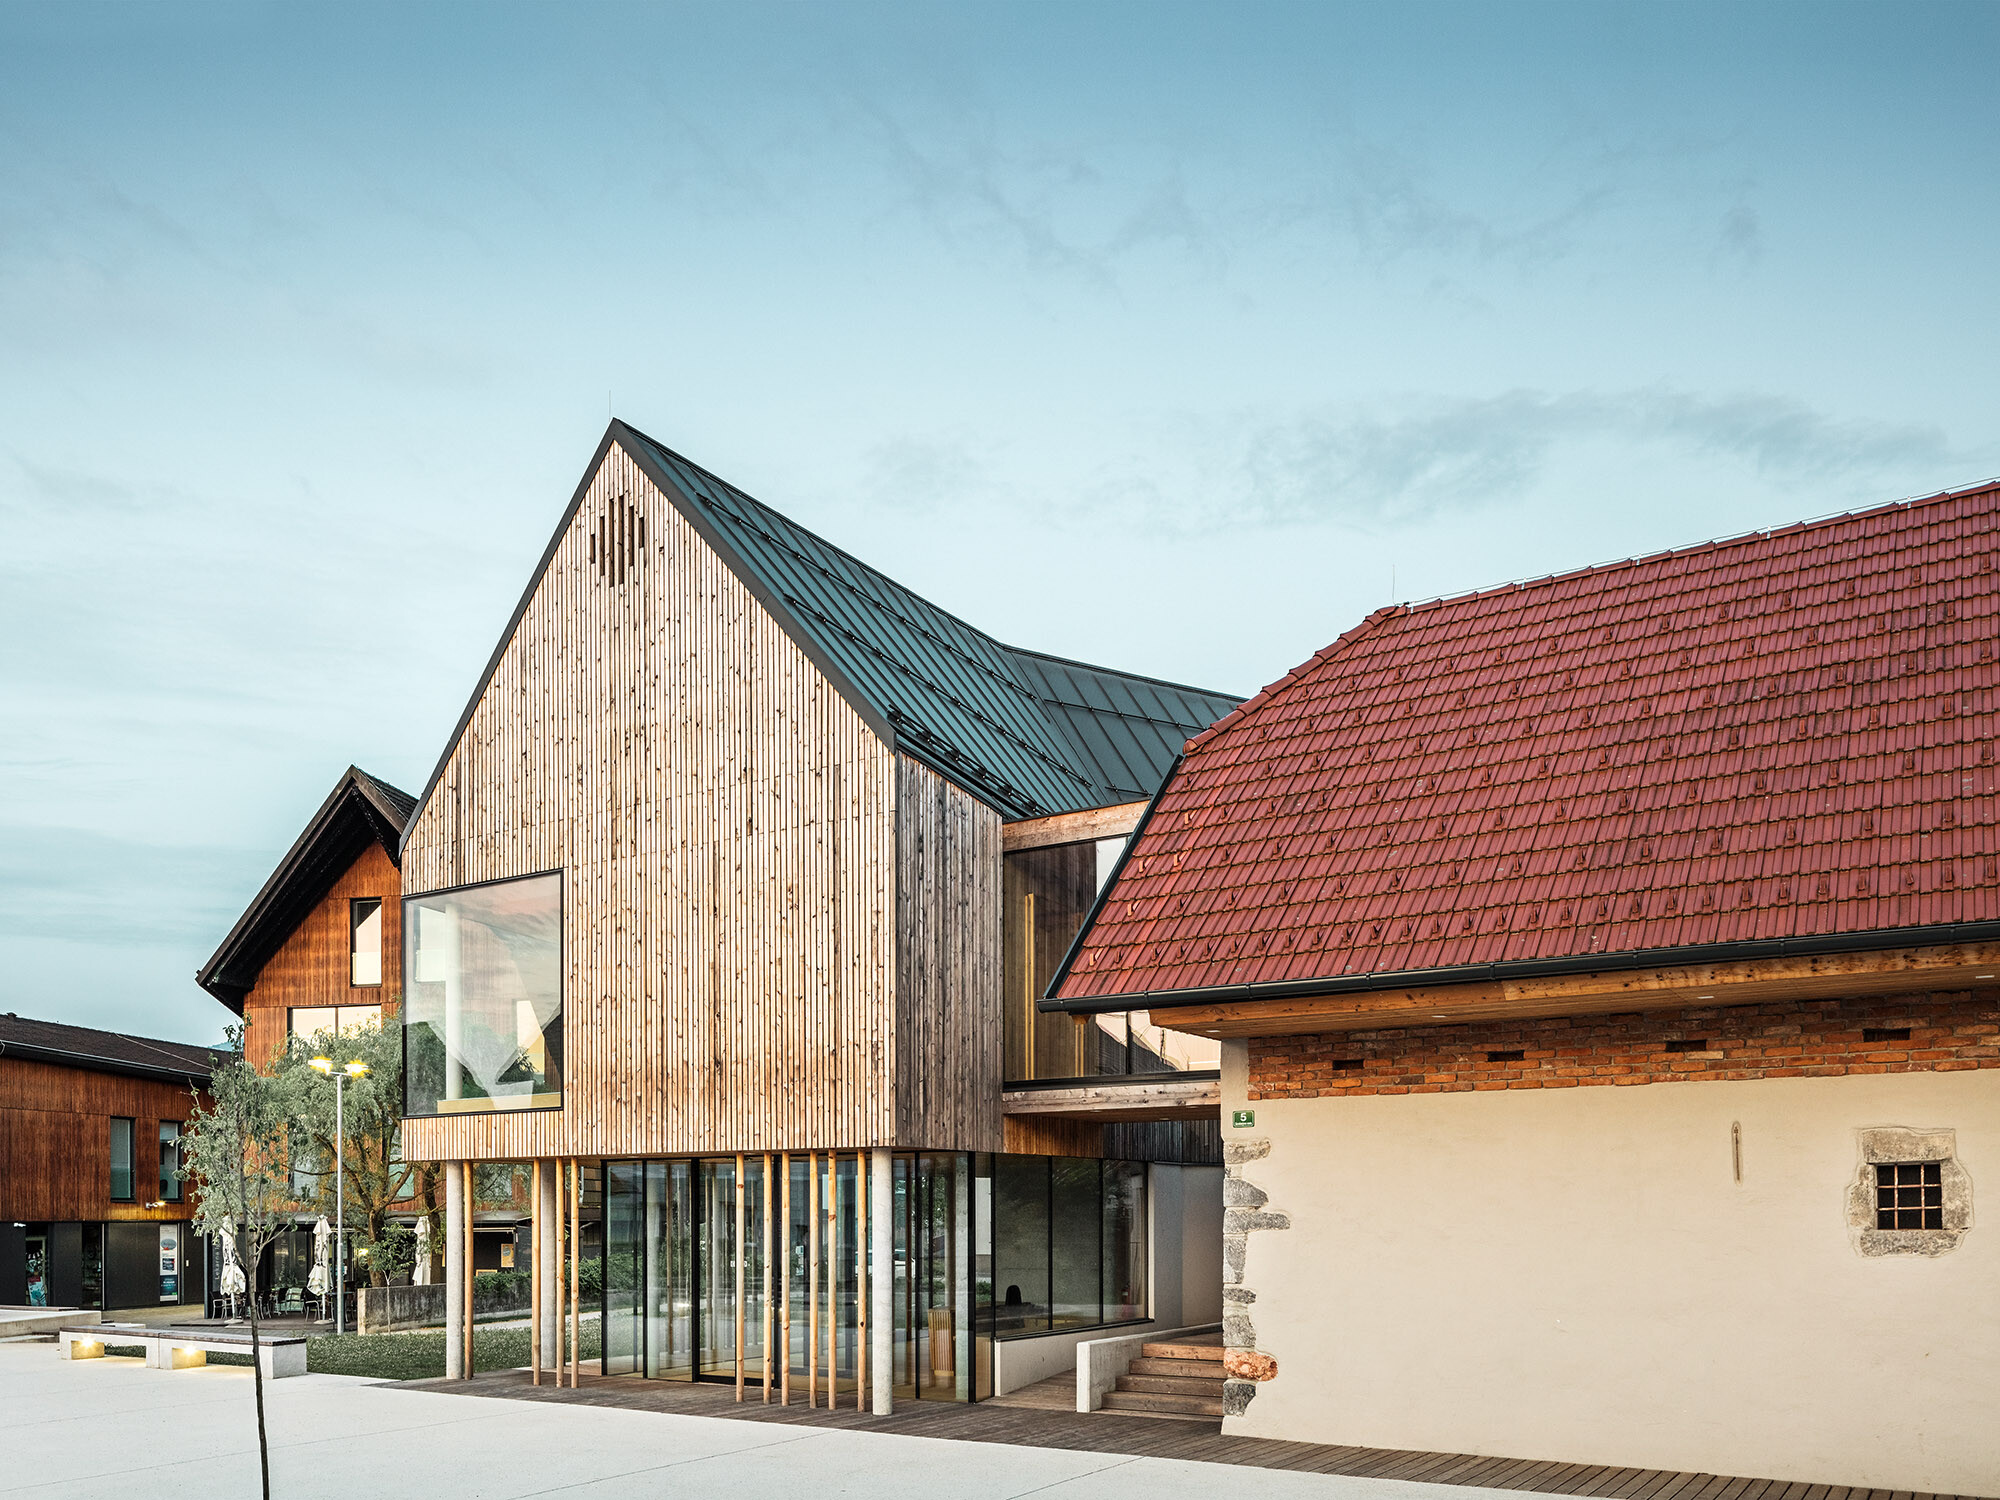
{"x":1265,"y":694}
{"x":1689,"y":549}
{"x":1091,"y":666}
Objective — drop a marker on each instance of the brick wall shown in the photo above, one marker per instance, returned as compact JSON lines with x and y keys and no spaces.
{"x":1787,"y":1039}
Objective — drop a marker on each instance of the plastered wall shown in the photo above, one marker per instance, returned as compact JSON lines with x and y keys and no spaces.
{"x":1579,"y":1275}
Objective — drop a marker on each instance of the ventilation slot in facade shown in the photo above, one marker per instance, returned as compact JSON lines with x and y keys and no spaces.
{"x":1885,"y":1033}
{"x":617,"y":541}
{"x":1690,"y":1044}
{"x":1513,"y":1054}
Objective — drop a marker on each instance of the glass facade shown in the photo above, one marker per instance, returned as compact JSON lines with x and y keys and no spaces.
{"x":984,"y":1247}
{"x":482,"y":998}
{"x":1047,"y":893}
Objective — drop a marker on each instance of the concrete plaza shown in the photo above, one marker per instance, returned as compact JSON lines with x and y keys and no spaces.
{"x":112,"y":1428}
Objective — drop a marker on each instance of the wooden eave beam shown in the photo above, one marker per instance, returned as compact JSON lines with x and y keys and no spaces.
{"x":1176,"y":1099}
{"x":1071,"y":827}
{"x":1803,"y":977}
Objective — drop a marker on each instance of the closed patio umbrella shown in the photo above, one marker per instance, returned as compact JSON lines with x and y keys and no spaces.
{"x":420,"y":1273}
{"x":320,"y":1280}
{"x":233,"y":1280}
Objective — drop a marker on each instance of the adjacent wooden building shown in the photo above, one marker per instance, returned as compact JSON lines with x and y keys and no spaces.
{"x":93,"y":1210}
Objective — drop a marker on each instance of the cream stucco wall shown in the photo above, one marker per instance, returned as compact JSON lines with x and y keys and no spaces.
{"x":1577,"y":1274}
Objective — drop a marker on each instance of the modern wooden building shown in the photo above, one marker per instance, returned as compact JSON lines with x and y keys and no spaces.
{"x":93,"y":1211}
{"x":1607,"y":970}
{"x":732,"y":894}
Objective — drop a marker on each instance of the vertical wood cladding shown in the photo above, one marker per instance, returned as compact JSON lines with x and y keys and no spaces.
{"x":312,"y":968}
{"x":1946,"y":1032}
{"x":55,"y":1142}
{"x":948,"y":964}
{"x":725,"y":824}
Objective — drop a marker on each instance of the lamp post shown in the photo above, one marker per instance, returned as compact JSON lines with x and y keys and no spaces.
{"x":324,"y":1066}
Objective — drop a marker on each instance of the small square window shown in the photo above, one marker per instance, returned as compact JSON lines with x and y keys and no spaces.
{"x":1909,"y":1195}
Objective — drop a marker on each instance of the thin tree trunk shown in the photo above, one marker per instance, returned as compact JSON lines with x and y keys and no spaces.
{"x":256,"y":1348}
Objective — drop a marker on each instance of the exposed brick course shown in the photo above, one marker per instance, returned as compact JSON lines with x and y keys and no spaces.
{"x":1949,"y":1032}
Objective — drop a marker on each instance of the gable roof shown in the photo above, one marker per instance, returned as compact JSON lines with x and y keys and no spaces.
{"x":1783,"y":741}
{"x":105,"y":1051}
{"x":359,"y":811}
{"x":1027,"y":734}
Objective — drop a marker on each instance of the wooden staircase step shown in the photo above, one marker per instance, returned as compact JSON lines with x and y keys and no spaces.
{"x":1153,"y":1404}
{"x":1205,"y":1387}
{"x":1206,"y":1369}
{"x":1182,"y":1351}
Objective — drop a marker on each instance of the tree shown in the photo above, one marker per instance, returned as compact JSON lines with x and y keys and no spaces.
{"x":238,"y":1149}
{"x":377,"y":1180}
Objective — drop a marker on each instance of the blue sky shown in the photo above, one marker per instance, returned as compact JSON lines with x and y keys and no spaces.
{"x":1175,"y":337}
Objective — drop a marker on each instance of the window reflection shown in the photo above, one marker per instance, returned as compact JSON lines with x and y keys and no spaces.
{"x":483,"y":998}
{"x":1048,"y":893}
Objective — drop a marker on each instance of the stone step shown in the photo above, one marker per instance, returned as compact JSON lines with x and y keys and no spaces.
{"x":1205,"y":1387}
{"x":1204,"y":1369}
{"x":1182,"y":1351}
{"x":1151,"y":1404}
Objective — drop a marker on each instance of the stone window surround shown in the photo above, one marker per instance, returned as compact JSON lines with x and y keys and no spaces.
{"x":1880,"y":1144}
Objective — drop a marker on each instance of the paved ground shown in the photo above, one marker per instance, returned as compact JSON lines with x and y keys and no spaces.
{"x":112,"y":1428}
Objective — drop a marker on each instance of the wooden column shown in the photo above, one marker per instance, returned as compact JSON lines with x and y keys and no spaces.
{"x":812,"y":1279}
{"x":785,"y":1285}
{"x":470,"y":1274}
{"x":766,"y":1245}
{"x":832,"y":1280}
{"x":575,"y":1269}
{"x":738,"y":1258}
{"x":536,"y":1249}
{"x":558,"y":1246}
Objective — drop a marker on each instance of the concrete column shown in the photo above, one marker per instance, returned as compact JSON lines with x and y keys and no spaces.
{"x":547,"y":1258}
{"x":882,"y":1279}
{"x":455,"y":1270}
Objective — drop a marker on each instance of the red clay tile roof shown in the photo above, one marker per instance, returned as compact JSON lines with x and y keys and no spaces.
{"x":1783,"y":735}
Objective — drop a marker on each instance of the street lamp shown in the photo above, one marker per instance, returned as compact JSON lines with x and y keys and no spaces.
{"x":324,"y":1067}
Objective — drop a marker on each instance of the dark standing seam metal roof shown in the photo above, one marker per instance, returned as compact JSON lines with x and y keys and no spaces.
{"x":105,"y":1051}
{"x":1780,"y":742}
{"x":360,"y":810}
{"x":1027,"y":734}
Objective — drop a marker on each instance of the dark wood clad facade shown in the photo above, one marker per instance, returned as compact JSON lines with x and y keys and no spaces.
{"x":55,"y":1142}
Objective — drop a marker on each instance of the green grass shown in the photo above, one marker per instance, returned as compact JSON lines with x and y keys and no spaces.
{"x":420,"y":1356}
{"x":402,"y":1356}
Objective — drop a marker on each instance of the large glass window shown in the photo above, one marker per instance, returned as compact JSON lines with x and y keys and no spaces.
{"x":170,"y":1161}
{"x":482,"y":1011}
{"x":364,"y":941}
{"x":1069,"y":1243}
{"x":121,"y":1161}
{"x":1047,"y":893}
{"x":314,"y":1020}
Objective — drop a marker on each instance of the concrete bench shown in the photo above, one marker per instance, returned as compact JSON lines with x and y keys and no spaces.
{"x":172,"y":1348}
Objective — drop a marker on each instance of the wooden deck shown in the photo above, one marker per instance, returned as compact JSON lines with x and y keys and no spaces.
{"x":1028,"y":1420}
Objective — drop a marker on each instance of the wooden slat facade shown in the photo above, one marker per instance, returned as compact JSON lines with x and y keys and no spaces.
{"x":55,"y":1142}
{"x":313,"y":965}
{"x":739,"y":851}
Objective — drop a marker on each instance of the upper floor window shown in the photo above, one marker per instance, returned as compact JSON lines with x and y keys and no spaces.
{"x":121,"y":1161}
{"x":364,"y":944}
{"x":482,"y":997}
{"x":315,"y":1020}
{"x":170,"y":1161}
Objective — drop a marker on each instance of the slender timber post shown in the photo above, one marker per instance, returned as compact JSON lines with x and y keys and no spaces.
{"x":535,"y":1269}
{"x":785,"y":1287}
{"x":812,"y":1279}
{"x":575,"y":1270}
{"x":832,"y":1281}
{"x":470,"y":1274}
{"x":765,"y":1242}
{"x":561,"y":1246}
{"x":738,"y":1258}
{"x":454,"y":1272}
{"x":882,"y":1291}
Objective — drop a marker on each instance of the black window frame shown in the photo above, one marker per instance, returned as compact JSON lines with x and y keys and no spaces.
{"x":354,"y":919}
{"x":171,"y":1179}
{"x":131,"y":1194}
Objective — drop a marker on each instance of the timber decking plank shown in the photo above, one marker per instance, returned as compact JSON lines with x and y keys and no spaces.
{"x":1029,"y":1424}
